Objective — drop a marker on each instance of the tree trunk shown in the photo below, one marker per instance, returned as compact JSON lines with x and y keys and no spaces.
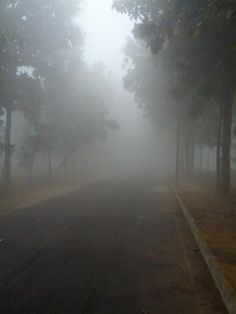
{"x":208,"y":162}
{"x":226,"y":126}
{"x":218,"y":150}
{"x":49,"y":165}
{"x":187,"y":154}
{"x":192,"y":144}
{"x":31,"y":168}
{"x":8,"y":148}
{"x":226,"y":143}
{"x":65,"y":167}
{"x":200,"y":160}
{"x":64,"y":162}
{"x":181,"y":153}
{"x":177,"y":167}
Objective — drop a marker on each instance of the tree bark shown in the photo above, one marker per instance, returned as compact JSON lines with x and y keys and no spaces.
{"x":8,"y":148}
{"x":226,"y":143}
{"x":177,"y":167}
{"x":49,"y":165}
{"x":208,"y":161}
{"x":226,"y":126}
{"x":31,"y":168}
{"x":187,"y":154}
{"x":192,"y":145}
{"x":218,"y":150}
{"x":65,"y":162}
{"x":65,"y":168}
{"x":181,"y":153}
{"x":200,"y":159}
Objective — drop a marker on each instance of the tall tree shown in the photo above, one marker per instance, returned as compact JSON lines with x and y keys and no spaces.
{"x":26,"y":51}
{"x":197,"y":39}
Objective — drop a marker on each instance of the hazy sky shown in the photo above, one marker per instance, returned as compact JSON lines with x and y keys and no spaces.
{"x":106,"y":33}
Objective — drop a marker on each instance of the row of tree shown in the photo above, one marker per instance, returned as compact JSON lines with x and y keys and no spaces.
{"x":44,"y":76}
{"x":193,"y":43}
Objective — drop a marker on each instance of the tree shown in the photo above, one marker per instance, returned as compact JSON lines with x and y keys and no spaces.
{"x":44,"y":76}
{"x":197,"y":40}
{"x":85,"y":117}
{"x":42,"y":140}
{"x":29,"y":53}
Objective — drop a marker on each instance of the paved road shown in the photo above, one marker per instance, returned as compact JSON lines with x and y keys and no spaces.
{"x":112,"y":247}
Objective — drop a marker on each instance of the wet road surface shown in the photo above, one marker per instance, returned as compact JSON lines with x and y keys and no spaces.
{"x":111,"y":247}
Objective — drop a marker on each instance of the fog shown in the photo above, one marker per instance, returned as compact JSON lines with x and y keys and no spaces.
{"x":107,"y":32}
{"x":117,"y":156}
{"x":94,"y":88}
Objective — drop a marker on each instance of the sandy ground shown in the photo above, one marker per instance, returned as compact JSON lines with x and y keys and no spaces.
{"x":216,"y":220}
{"x":109,"y":247}
{"x":20,"y":196}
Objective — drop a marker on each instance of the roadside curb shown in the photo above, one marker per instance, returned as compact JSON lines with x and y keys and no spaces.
{"x":226,"y":290}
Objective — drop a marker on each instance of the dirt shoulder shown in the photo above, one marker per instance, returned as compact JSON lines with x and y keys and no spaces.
{"x":22,"y":196}
{"x":216,"y":220}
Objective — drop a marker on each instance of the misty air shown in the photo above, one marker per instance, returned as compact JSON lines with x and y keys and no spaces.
{"x":117,"y":156}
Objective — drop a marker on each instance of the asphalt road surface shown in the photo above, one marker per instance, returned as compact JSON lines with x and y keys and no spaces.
{"x":112,"y":247}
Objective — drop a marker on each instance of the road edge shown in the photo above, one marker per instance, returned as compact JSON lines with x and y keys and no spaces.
{"x":226,"y":290}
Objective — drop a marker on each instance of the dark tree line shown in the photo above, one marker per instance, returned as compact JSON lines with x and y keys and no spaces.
{"x":43,"y":75}
{"x":193,"y":44}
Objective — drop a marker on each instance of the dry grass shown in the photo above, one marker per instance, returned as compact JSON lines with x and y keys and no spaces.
{"x":21,"y":196}
{"x":216,"y":220}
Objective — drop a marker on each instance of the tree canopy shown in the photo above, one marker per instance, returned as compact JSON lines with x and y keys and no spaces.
{"x":43,"y":75}
{"x":195,"y":41}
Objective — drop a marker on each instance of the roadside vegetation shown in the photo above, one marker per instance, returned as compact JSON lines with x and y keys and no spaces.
{"x":181,"y":67}
{"x":53,"y":106}
{"x":186,"y":85}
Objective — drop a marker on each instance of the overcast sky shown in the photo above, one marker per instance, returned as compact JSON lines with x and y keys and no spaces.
{"x":106,"y":33}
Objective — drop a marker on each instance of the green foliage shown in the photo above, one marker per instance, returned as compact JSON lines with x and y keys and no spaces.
{"x":195,"y":40}
{"x":43,"y":75}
